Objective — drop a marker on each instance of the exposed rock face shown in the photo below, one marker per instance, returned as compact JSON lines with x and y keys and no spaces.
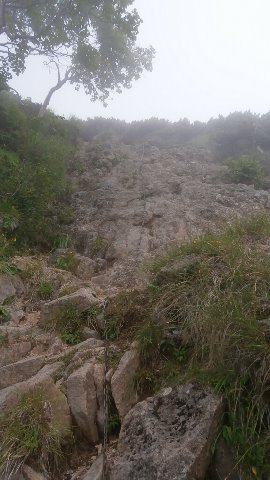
{"x":123,"y":391}
{"x":169,"y":436}
{"x":29,"y":474}
{"x":139,"y":204}
{"x":81,"y":394}
{"x":14,"y":352}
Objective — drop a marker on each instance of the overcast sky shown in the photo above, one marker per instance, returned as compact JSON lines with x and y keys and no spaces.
{"x":212,"y":57}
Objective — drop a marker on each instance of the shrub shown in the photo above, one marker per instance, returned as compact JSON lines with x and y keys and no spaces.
{"x":244,"y":169}
{"x":27,"y":432}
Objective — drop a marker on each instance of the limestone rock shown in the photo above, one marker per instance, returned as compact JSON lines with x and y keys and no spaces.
{"x":10,"y":285}
{"x":123,"y":391}
{"x":82,"y":298}
{"x":168,"y":436}
{"x":86,"y":267}
{"x":81,"y":395}
{"x":96,"y":470}
{"x":89,"y":333}
{"x":14,"y":352}
{"x":20,"y":371}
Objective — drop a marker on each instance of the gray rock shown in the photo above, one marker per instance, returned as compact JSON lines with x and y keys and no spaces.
{"x":123,"y":391}
{"x":10,"y":285}
{"x":96,"y":470}
{"x":89,"y":333}
{"x":81,"y":395}
{"x":99,"y":374}
{"x":14,"y":352}
{"x":20,"y":371}
{"x":168,"y":436}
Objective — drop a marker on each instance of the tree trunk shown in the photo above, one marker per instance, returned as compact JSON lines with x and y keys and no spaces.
{"x":54,"y":89}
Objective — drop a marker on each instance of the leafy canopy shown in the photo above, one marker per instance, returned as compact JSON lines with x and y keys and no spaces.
{"x":92,"y":42}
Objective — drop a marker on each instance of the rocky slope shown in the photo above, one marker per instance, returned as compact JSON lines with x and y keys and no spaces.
{"x":130,"y":203}
{"x":133,"y":202}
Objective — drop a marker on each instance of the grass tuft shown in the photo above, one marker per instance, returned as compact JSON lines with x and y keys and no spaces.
{"x":27,"y":432}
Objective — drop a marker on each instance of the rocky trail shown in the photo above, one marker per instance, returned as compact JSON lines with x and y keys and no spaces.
{"x":130,"y":204}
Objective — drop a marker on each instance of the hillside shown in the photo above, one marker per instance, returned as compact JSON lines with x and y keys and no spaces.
{"x":134,"y":298}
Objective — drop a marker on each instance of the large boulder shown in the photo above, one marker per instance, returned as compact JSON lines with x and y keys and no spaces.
{"x":168,"y":436}
{"x":123,"y":390}
{"x":81,"y":395}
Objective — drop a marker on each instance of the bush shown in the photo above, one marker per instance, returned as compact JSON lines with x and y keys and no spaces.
{"x":34,"y":157}
{"x":244,"y":169}
{"x":27,"y":432}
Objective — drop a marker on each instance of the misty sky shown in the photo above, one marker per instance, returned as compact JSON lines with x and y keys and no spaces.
{"x":212,"y":57}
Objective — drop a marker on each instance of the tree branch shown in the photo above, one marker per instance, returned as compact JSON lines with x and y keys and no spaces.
{"x":54,"y":89}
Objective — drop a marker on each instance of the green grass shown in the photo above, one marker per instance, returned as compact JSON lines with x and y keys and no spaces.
{"x":26,"y":432}
{"x":69,"y":321}
{"x":213,"y":291}
{"x":45,"y":289}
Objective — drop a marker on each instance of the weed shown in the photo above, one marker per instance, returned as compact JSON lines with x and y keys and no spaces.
{"x":62,"y":241}
{"x":149,"y":337}
{"x":145,"y":382}
{"x":3,"y":340}
{"x":69,"y":321}
{"x":71,"y":338}
{"x":4,"y":311}
{"x":45,"y":289}
{"x":27,"y":432}
{"x":9,"y":268}
{"x":67,"y":261}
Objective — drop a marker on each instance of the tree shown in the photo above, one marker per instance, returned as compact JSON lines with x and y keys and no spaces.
{"x":92,"y":43}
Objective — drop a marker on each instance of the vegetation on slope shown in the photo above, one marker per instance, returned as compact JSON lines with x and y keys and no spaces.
{"x":27,"y":432}
{"x":35,"y":154}
{"x":206,"y":321}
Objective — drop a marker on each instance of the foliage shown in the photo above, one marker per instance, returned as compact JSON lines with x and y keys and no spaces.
{"x":214,"y":291}
{"x":244,"y":170}
{"x":69,"y":321}
{"x":26,"y":432}
{"x":66,"y":261}
{"x":96,"y":41}
{"x":124,"y":311}
{"x":45,"y":289}
{"x":149,"y":337}
{"x":34,"y":156}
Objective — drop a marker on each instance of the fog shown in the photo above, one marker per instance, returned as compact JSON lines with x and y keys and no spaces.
{"x":212,"y":57}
